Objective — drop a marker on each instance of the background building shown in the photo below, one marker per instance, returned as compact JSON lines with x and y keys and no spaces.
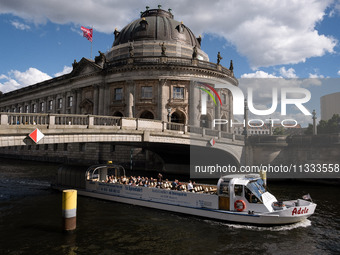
{"x":330,"y":105}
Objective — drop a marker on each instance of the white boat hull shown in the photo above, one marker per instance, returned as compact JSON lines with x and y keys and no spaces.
{"x":197,"y":204}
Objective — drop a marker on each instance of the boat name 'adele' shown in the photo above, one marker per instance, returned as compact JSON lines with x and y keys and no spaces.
{"x":300,"y":211}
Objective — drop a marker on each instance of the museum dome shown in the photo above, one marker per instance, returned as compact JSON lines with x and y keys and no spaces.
{"x":155,"y":30}
{"x":156,"y":24}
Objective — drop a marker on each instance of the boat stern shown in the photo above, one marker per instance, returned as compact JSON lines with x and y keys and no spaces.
{"x":295,"y":210}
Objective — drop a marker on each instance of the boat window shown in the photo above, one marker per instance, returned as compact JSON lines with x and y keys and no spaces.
{"x":238,"y":190}
{"x":256,"y":187}
{"x":224,"y":188}
{"x":250,"y":196}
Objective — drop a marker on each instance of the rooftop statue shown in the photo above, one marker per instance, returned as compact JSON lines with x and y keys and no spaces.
{"x":194,"y":52}
{"x":219,"y":58}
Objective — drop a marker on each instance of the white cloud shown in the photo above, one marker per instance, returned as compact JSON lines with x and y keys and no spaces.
{"x":290,"y":73}
{"x":268,"y":33}
{"x":315,"y":76}
{"x":259,"y":74}
{"x":16,"y":79}
{"x":19,"y":25}
{"x":339,"y":72}
{"x":66,"y":70}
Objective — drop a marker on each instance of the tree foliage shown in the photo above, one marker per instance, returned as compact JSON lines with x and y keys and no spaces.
{"x":279,"y":131}
{"x":326,"y":126}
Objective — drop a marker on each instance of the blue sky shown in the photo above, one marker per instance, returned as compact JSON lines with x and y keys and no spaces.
{"x":265,"y":39}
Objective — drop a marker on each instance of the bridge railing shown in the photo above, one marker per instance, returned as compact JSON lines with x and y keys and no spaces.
{"x":195,"y":130}
{"x":66,"y":119}
{"x":24,"y":119}
{"x":93,"y":121}
{"x":107,"y":121}
{"x":176,"y":127}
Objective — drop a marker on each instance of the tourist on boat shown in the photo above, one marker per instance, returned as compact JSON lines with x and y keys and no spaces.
{"x":160,"y":178}
{"x":146,"y":182}
{"x":124,"y":179}
{"x":174,"y":184}
{"x":190,"y":186}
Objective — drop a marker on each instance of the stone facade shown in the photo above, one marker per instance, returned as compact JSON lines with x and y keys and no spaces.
{"x":150,"y":72}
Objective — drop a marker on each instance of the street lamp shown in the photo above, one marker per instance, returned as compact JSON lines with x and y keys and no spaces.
{"x":315,"y":131}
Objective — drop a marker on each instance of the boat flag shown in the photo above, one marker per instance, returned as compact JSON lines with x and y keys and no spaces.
{"x":87,"y":33}
{"x":212,"y":142}
{"x":36,"y":135}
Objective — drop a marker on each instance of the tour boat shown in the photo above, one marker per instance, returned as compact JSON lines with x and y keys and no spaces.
{"x":235,"y":198}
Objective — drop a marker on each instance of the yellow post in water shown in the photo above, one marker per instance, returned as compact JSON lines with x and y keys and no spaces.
{"x":69,"y":208}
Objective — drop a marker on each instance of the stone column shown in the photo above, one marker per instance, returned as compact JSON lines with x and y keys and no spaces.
{"x":217,"y":111}
{"x":315,"y":130}
{"x":101,"y":100}
{"x":129,"y":98}
{"x":194,"y":112}
{"x":106,"y":100}
{"x":55,"y":105}
{"x":245,"y":132}
{"x":74,"y":106}
{"x":162,"y":100}
{"x":79,"y":98}
{"x":230,"y":113}
{"x":95,"y":99}
{"x":45,"y":104}
{"x":63,"y":108}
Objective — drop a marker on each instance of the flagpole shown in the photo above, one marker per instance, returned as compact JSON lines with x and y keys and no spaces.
{"x":91,"y":41}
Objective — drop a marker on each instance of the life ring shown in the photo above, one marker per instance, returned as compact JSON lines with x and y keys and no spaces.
{"x":239,"y":207}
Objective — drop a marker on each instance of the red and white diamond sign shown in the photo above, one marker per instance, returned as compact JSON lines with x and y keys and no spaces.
{"x":36,"y":135}
{"x":212,"y":142}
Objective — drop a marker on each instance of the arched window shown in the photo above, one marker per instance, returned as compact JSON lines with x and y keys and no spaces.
{"x":146,"y":115}
{"x":118,"y":114}
{"x":178,"y":117}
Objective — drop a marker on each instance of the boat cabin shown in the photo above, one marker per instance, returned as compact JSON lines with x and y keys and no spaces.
{"x":244,"y":193}
{"x":101,"y":172}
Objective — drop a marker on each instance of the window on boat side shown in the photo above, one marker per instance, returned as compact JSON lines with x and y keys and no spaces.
{"x":238,"y":189}
{"x":224,"y":189}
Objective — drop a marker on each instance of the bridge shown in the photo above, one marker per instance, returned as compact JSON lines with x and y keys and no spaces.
{"x":174,"y":143}
{"x":164,"y":138}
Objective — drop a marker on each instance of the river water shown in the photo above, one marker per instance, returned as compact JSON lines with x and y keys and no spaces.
{"x":30,"y":220}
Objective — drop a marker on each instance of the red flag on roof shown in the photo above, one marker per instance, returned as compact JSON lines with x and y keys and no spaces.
{"x":87,"y":32}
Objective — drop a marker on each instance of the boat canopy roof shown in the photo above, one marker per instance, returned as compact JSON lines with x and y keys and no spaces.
{"x":242,"y":179}
{"x":92,"y":171}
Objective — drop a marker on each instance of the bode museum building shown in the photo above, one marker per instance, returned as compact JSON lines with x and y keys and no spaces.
{"x":151,"y":71}
{"x":154,"y":70}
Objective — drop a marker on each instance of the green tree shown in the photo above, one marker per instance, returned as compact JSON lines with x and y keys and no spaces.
{"x":326,"y":126}
{"x":279,"y":131}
